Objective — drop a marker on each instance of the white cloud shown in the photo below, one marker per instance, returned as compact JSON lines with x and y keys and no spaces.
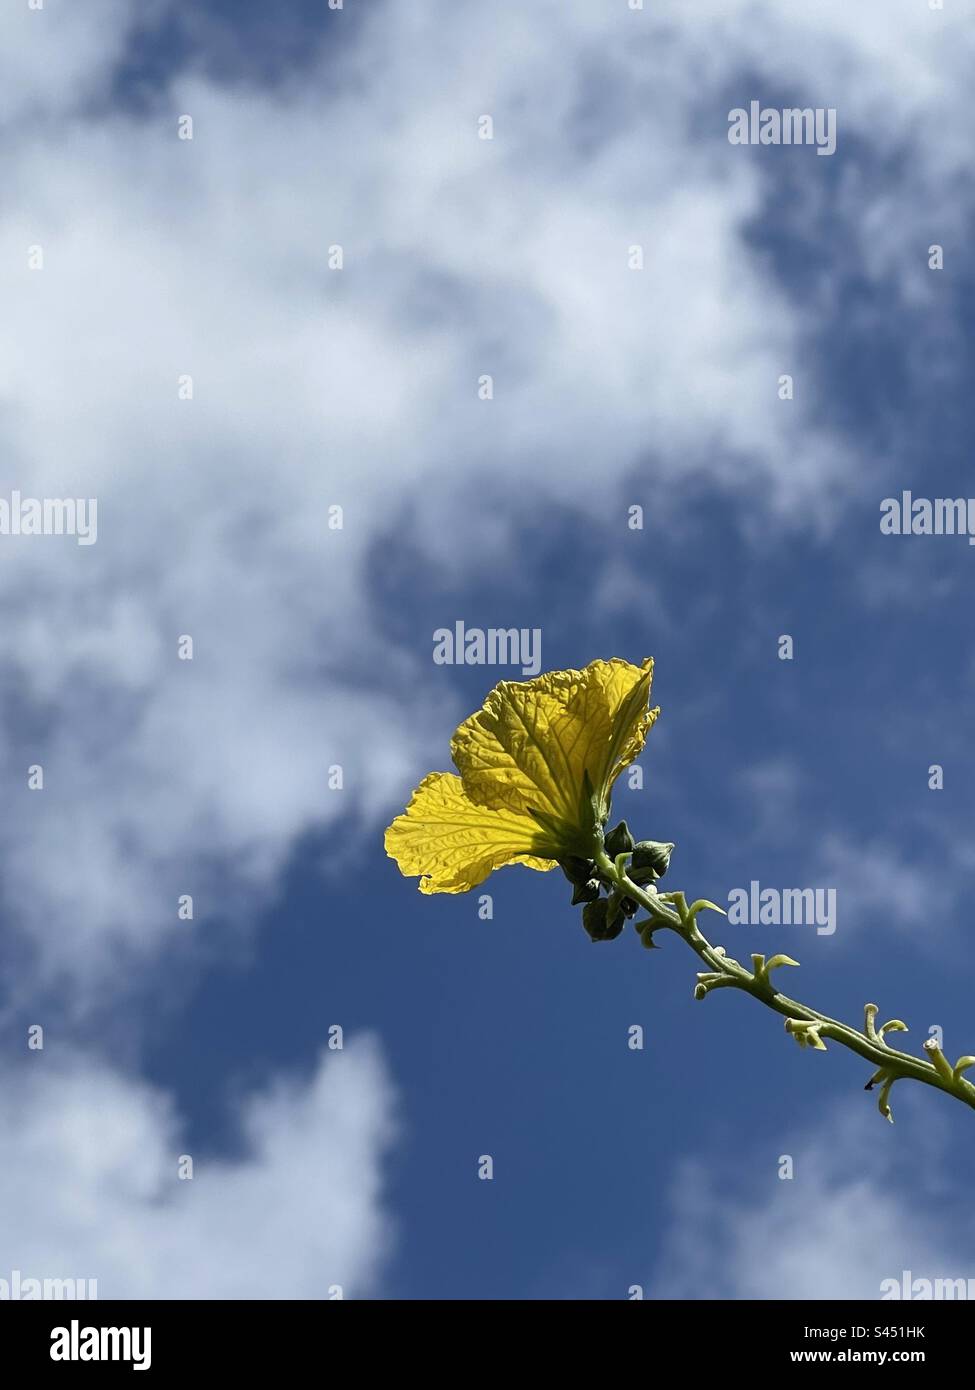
{"x":837,"y":1229}
{"x":463,"y":256}
{"x":55,"y":58}
{"x":772,"y":789}
{"x":90,"y":1190}
{"x":876,"y":882}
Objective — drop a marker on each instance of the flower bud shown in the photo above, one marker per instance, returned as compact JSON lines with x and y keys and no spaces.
{"x":602,"y":919}
{"x":652,"y":856}
{"x":586,"y":892}
{"x":619,"y":840}
{"x":577,"y":870}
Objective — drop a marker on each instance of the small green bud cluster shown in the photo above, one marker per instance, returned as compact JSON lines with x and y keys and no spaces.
{"x":604,"y":917}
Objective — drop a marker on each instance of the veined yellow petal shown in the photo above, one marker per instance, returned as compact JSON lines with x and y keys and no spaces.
{"x":623,"y":691}
{"x":532,"y":742}
{"x":455,"y":844}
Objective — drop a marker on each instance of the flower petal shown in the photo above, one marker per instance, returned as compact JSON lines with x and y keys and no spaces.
{"x":623,"y":692}
{"x":454,"y":843}
{"x":532,"y":742}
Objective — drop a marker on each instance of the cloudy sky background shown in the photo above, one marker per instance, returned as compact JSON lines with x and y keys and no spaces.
{"x":314,"y":387}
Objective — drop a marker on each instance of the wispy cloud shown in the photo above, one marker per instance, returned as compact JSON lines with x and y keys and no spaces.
{"x":845,"y":1221}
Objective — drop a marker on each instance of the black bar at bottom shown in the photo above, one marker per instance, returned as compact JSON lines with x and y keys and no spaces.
{"x":165,"y":1339}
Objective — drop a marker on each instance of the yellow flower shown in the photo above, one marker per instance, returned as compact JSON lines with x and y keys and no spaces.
{"x":537,"y":764}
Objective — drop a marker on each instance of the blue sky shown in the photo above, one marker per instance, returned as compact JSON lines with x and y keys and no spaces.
{"x":613,"y":388}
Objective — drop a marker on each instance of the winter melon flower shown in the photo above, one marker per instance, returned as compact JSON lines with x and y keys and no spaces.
{"x":536,"y":769}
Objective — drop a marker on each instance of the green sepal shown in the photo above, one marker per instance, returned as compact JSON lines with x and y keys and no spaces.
{"x":561,"y":836}
{"x":591,"y":813}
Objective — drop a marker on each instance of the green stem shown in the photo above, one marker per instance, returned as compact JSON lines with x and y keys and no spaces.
{"x":891,"y":1064}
